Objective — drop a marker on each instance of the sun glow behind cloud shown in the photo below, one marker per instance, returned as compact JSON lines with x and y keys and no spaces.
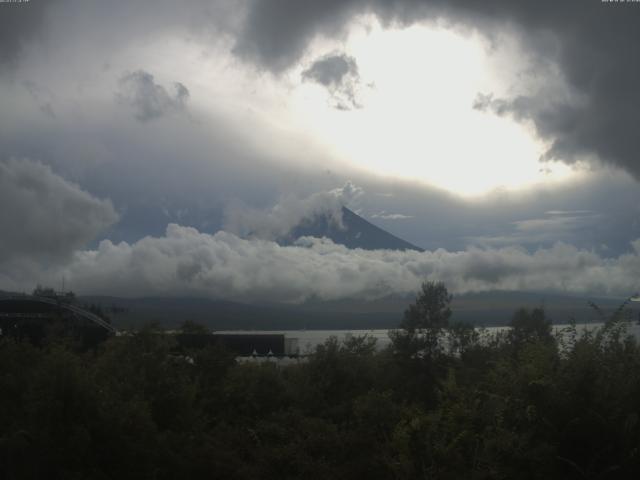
{"x":416,"y":90}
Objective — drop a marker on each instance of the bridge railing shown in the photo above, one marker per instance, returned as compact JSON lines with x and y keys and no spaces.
{"x":79,"y":311}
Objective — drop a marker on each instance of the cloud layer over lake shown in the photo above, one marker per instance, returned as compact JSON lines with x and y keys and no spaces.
{"x":186,"y":262}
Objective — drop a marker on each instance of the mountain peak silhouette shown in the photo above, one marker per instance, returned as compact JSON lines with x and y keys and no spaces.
{"x":355,"y":232}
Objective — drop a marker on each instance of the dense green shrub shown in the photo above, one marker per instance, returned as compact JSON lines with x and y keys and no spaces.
{"x":522,"y":404}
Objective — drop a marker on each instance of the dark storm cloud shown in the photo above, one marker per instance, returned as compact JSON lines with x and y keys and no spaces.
{"x":42,"y":96}
{"x":275,"y":34}
{"x":148,"y":99}
{"x":593,"y":42}
{"x":331,"y":70}
{"x":19,"y":24}
{"x":338,"y":73}
{"x":43,"y":216}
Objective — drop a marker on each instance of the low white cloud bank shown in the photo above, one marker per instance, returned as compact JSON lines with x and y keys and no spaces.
{"x":187,"y":262}
{"x":46,"y":223}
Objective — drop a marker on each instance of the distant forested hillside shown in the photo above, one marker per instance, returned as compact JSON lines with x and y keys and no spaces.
{"x":489,"y":308}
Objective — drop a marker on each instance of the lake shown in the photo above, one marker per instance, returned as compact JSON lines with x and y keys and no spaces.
{"x":308,"y":340}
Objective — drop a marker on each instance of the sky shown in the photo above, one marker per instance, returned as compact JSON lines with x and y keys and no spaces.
{"x":162,"y":148}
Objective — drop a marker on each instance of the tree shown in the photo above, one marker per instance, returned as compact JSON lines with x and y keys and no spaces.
{"x":530,"y":325}
{"x":424,"y":321}
{"x":431,"y":309}
{"x":191,"y":327}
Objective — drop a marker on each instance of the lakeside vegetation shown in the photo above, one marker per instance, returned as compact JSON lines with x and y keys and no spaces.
{"x":518,"y":404}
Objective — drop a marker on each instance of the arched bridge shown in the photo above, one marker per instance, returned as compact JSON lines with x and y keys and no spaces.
{"x":58,"y":304}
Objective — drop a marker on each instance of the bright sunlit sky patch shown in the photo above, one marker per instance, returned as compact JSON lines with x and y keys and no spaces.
{"x":414,"y":119}
{"x":416,"y":91}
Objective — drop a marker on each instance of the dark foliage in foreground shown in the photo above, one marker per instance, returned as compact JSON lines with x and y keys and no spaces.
{"x":521,"y":405}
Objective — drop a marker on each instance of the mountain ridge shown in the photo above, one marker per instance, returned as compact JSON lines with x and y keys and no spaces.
{"x":355,"y":232}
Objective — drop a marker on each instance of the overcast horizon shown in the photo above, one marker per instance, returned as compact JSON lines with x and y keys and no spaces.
{"x":165,"y":148}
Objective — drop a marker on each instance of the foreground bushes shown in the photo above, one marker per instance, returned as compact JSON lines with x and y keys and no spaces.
{"x":520,"y":405}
